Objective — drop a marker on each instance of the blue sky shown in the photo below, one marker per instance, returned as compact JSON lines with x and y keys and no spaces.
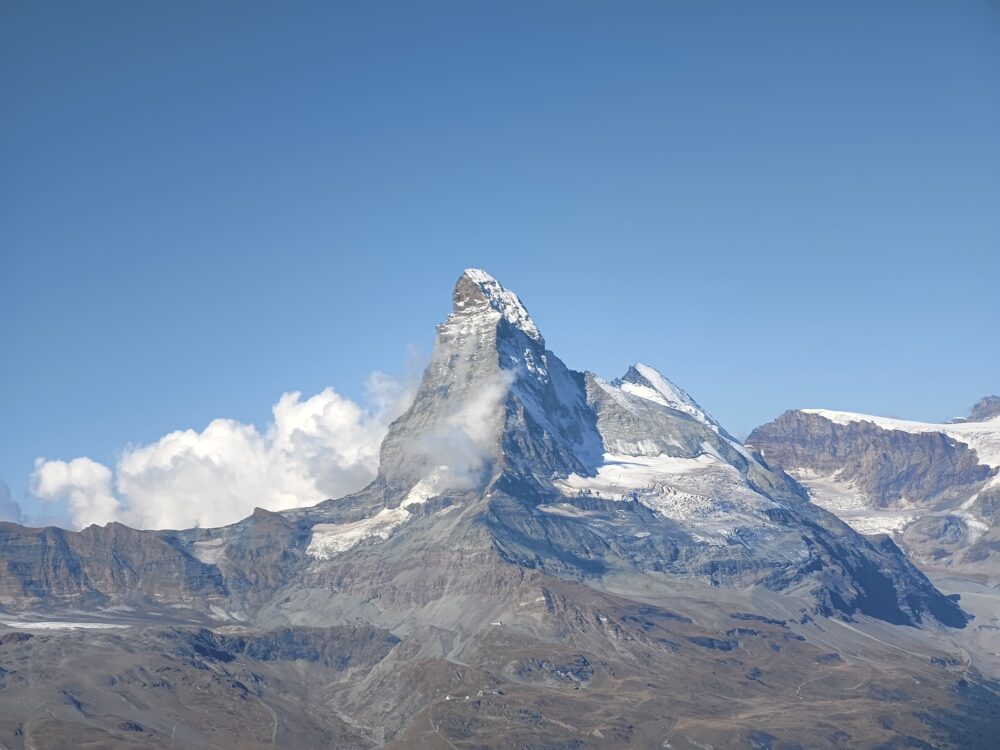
{"x":204,"y":205}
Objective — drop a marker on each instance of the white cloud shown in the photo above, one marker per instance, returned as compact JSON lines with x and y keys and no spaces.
{"x":83,"y":484}
{"x":457,"y":449}
{"x":324,"y":446}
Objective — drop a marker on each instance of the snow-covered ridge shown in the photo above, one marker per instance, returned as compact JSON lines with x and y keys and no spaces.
{"x":646,"y":385}
{"x":504,"y":301}
{"x":662,"y":390}
{"x":982,"y":437}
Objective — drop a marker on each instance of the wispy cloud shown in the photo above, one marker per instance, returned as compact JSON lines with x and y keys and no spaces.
{"x":455,"y":451}
{"x":314,"y":448}
{"x":9,"y":509}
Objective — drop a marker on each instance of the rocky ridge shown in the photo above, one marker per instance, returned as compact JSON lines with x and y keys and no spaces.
{"x":932,"y":486}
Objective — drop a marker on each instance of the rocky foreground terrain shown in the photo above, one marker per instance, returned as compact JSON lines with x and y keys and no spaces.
{"x":547,"y":559}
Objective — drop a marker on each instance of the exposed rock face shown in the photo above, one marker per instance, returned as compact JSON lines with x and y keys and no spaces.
{"x":532,"y":529}
{"x":931,"y":486}
{"x":957,"y":545}
{"x":886,"y":465}
{"x":101,"y":567}
{"x":984,"y":409}
{"x":493,"y":402}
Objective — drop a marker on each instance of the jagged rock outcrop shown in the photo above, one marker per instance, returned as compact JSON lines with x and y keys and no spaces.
{"x":984,"y":409}
{"x":931,"y":486}
{"x":100,"y":567}
{"x":886,"y":465}
{"x":493,"y":402}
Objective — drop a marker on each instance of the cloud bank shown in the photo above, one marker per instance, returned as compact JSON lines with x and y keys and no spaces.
{"x":320,"y":447}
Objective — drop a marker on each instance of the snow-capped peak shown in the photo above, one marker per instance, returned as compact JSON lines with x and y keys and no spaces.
{"x":649,"y":383}
{"x":496,"y":296}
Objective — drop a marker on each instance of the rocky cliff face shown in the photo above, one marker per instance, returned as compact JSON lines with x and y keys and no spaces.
{"x":493,"y":402}
{"x":887,"y":466}
{"x":984,"y":409}
{"x":101,"y":567}
{"x":929,"y":485}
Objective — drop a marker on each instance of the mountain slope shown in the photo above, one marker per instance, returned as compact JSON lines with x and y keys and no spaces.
{"x":581,"y":477}
{"x":545,"y":558}
{"x":934,"y":486}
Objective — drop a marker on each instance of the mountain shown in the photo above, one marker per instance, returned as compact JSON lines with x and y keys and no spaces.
{"x":545,"y":559}
{"x":984,"y":409}
{"x":934,"y":487}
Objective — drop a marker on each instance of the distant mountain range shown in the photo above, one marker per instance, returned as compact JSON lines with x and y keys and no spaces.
{"x":546,"y":559}
{"x":934,"y":487}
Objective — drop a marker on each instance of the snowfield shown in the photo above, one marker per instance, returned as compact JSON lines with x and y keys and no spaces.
{"x":704,"y":495}
{"x":329,"y":539}
{"x":859,"y":511}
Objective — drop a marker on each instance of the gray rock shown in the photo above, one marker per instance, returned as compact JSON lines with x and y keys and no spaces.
{"x":887,"y":465}
{"x":986,"y":408}
{"x":100,"y":567}
{"x":937,"y":495}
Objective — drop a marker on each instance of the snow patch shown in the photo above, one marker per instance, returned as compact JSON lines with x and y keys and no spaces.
{"x":59,"y":625}
{"x":619,"y":475}
{"x":564,"y":509}
{"x":704,"y":494}
{"x":430,"y":486}
{"x":831,"y":494}
{"x":210,"y":551}
{"x":879,"y":523}
{"x":329,"y":539}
